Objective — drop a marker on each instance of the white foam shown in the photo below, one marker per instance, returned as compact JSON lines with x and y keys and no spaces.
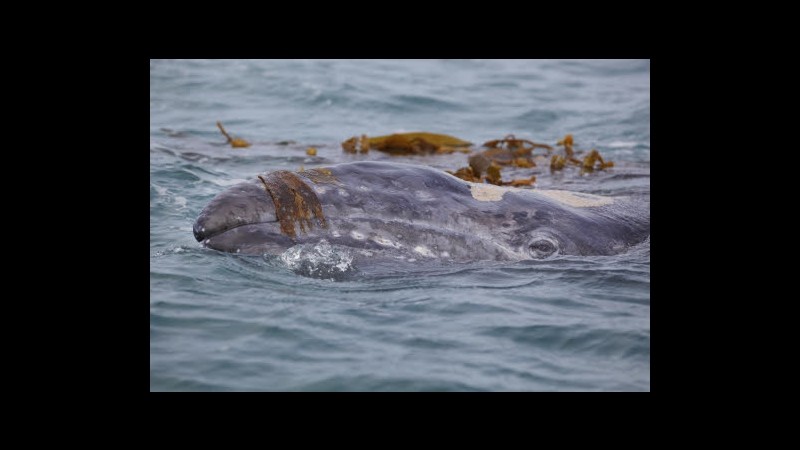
{"x":180,"y":201}
{"x":621,"y":144}
{"x":159,"y":189}
{"x":321,"y":260}
{"x":227,"y":182}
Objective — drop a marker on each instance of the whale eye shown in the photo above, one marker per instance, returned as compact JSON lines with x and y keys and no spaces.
{"x":542,"y":248}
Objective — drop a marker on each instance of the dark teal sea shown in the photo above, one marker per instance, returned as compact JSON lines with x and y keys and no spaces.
{"x":224,"y":322}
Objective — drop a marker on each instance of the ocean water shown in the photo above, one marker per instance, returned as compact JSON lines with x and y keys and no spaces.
{"x":224,"y":322}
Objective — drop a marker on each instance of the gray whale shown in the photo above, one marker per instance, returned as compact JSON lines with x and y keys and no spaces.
{"x":416,"y":212}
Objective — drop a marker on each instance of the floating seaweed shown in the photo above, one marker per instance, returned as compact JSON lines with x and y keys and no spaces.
{"x":484,"y":167}
{"x":523,"y":181}
{"x":506,"y":157}
{"x":566,"y":140}
{"x":235,"y":142}
{"x":594,"y":161}
{"x":493,"y":174}
{"x":473,"y":173}
{"x":591,"y":162}
{"x":557,"y":162}
{"x":355,"y":144}
{"x":510,"y":142}
{"x":500,"y":155}
{"x":466,"y":174}
{"x":525,"y":163}
{"x":513,"y":151}
{"x":510,"y":151}
{"x":418,"y":143}
{"x":349,"y":146}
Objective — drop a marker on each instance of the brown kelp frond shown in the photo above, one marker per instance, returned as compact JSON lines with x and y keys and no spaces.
{"x":235,"y":142}
{"x":295,"y":202}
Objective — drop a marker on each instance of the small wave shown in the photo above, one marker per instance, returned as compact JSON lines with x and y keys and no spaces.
{"x":622,"y":144}
{"x":165,"y":197}
{"x":419,"y":103}
{"x":535,"y":119}
{"x":390,"y":384}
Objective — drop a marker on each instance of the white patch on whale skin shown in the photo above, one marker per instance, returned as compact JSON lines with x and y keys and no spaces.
{"x":386,"y":242}
{"x":577,"y":199}
{"x":492,"y":193}
{"x":424,"y":196}
{"x":424,"y":251}
{"x":487,"y":192}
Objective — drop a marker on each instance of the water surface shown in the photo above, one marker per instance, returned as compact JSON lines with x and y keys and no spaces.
{"x":225,"y":322}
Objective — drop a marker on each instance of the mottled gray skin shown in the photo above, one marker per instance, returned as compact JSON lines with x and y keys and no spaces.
{"x":415,"y":212}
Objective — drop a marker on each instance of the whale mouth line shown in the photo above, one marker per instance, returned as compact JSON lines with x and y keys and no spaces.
{"x":206,"y":237}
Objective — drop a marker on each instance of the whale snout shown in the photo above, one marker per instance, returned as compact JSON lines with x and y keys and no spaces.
{"x":243,"y":205}
{"x":199,"y":229}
